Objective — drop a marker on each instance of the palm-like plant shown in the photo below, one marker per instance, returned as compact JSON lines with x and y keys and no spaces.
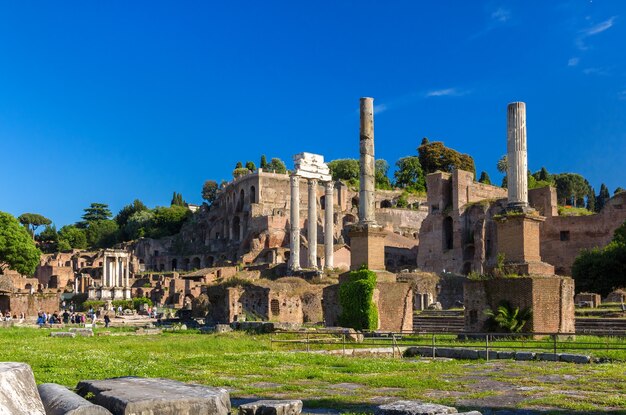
{"x":508,"y":318}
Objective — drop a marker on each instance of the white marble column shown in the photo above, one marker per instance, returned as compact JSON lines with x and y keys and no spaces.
{"x":294,"y":231}
{"x":110,"y":272}
{"x":126,"y":270}
{"x":366,"y":176}
{"x":517,"y":170}
{"x":328,"y":226}
{"x":312,"y":221}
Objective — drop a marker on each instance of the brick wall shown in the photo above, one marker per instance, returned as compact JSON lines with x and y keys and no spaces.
{"x":395,"y":306}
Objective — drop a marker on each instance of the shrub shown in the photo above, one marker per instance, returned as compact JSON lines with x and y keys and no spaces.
{"x":95,"y":304}
{"x":139,"y":301}
{"x":124,"y":303}
{"x":507,"y":318}
{"x":355,"y":296}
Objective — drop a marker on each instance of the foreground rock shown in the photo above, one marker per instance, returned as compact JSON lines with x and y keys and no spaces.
{"x":133,"y":395}
{"x":18,"y":391}
{"x":58,"y":400}
{"x":414,"y":408}
{"x":271,"y":407}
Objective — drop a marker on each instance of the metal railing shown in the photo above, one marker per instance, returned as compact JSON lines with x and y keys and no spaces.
{"x":554,"y":343}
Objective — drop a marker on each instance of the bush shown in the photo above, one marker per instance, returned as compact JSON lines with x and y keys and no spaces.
{"x":95,"y":304}
{"x":124,"y":303}
{"x":139,"y":301}
{"x":355,"y":296}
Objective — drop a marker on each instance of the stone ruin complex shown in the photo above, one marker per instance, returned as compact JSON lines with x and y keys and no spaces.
{"x":251,"y":232}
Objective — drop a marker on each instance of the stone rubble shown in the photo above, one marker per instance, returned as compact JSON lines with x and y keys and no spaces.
{"x":18,"y":390}
{"x":271,"y":407}
{"x":58,"y":400}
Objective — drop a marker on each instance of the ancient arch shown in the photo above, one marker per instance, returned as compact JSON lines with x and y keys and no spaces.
{"x":236,"y":228}
{"x":252,"y":194}
{"x":385,"y":204}
{"x":174,"y":264}
{"x":241,"y":200}
{"x":195,"y":263}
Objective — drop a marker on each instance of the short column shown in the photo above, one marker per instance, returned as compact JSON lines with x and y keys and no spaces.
{"x":329,"y":226}
{"x":294,"y":227}
{"x":312,"y":230}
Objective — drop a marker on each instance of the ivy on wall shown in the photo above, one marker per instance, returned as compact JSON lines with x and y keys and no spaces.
{"x":358,"y":311}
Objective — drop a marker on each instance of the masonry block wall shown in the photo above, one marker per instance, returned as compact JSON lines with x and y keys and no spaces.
{"x":395,"y":306}
{"x":551,"y":300}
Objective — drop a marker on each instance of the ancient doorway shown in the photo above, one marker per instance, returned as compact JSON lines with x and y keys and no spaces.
{"x":447,"y":237}
{"x":236,"y":228}
{"x":252,"y":194}
{"x":174,"y":264}
{"x":195,"y":264}
{"x":5,"y":303}
{"x":275,"y":307}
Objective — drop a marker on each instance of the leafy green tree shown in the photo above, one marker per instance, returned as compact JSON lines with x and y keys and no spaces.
{"x":177,"y":200}
{"x":263,"y":162}
{"x":139,"y":224}
{"x":603,"y":197}
{"x":32,"y":221}
{"x":209,"y":191}
{"x":95,"y":212}
{"x":75,"y":237}
{"x":381,"y":180}
{"x":239,"y":165}
{"x":277,"y":166}
{"x":127,"y":211}
{"x":543,"y":175}
{"x":619,"y":190}
{"x":63,"y":246}
{"x":409,"y":174}
{"x":250,"y":166}
{"x":48,"y":235}
{"x":345,"y":169}
{"x":240,"y":172}
{"x":102,"y":234}
{"x":17,"y":248}
{"x":484,"y":178}
{"x":168,"y":220}
{"x":571,"y":188}
{"x":601,"y":270}
{"x":435,"y":156}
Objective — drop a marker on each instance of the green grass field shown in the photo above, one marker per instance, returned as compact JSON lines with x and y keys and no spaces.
{"x":247,"y":365}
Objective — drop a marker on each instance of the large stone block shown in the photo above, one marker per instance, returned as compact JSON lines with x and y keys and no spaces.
{"x":58,"y":400}
{"x":524,"y":356}
{"x":18,"y":391}
{"x":549,"y":357}
{"x":414,"y":408}
{"x":133,"y":395}
{"x":62,"y":334}
{"x":271,"y":407}
{"x":575,"y":358}
{"x":82,"y":332}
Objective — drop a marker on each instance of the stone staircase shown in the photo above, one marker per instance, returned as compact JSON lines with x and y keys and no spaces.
{"x":601,"y":325}
{"x":438,"y":321}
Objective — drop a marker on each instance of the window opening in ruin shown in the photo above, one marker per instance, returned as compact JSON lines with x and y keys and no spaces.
{"x":564,"y":235}
{"x":448,"y":239}
{"x":242,"y":195}
{"x":275,"y":307}
{"x":385,"y":204}
{"x":209,"y":261}
{"x":355,"y":202}
{"x":156,"y":253}
{"x":434,"y":208}
{"x":236,"y":228}
{"x":5,"y":302}
{"x":174,"y":264}
{"x":252,"y":194}
{"x":196,"y":263}
{"x":187,"y":264}
{"x":323,"y":202}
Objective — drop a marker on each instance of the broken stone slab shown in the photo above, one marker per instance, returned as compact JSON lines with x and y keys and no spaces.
{"x":418,"y":351}
{"x":506,"y":355}
{"x":58,"y":400}
{"x":18,"y":390}
{"x":470,"y":413}
{"x":482,"y":354}
{"x":223,"y":328}
{"x":548,"y":357}
{"x":272,"y":407}
{"x":414,"y":408}
{"x":134,"y":395}
{"x":62,"y":334}
{"x":575,"y":358}
{"x":82,"y":332}
{"x":524,"y":356}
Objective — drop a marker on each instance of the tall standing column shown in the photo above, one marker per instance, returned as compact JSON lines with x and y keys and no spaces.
{"x":126,"y":269}
{"x":312,"y":231}
{"x":294,"y":231}
{"x":366,"y":142}
{"x":517,"y":169}
{"x":329,"y":251}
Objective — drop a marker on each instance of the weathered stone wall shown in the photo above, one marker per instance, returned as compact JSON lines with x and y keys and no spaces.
{"x":446,"y":289}
{"x":395,"y":306}
{"x":551,"y":300}
{"x":563,"y":237}
{"x":29,"y":304}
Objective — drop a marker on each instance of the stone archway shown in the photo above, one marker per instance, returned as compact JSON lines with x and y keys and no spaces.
{"x":5,"y":302}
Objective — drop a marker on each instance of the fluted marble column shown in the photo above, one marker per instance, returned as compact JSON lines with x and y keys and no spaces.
{"x":294,"y":239}
{"x":312,"y":231}
{"x":329,"y":251}
{"x":517,"y":156}
{"x":366,"y":147}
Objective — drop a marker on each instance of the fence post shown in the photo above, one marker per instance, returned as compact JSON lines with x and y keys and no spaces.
{"x":487,"y":347}
{"x":271,"y":345}
{"x":393,"y":345}
{"x":554,"y":343}
{"x":433,"y":345}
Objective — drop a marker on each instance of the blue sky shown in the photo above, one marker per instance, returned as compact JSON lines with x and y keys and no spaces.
{"x":112,"y":101}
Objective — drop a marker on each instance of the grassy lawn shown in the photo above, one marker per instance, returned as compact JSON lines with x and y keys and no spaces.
{"x":246,"y":364}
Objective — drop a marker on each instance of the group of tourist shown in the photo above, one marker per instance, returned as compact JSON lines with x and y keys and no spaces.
{"x":8,"y":317}
{"x":64,"y":318}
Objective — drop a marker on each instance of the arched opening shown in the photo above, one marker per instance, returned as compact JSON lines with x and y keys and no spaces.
{"x":467,"y":268}
{"x":236,"y":228}
{"x":240,"y":202}
{"x":186,"y":264}
{"x":195,"y":263}
{"x":447,"y":237}
{"x":174,"y":264}
{"x":385,"y":204}
{"x":5,"y":303}
{"x":53,"y":282}
{"x":252,"y":194}
{"x":348,"y":219}
{"x":209,"y":261}
{"x":323,"y":202}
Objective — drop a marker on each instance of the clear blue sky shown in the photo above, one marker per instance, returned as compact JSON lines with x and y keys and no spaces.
{"x":112,"y":101}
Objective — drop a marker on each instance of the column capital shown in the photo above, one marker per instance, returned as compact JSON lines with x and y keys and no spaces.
{"x":312,"y":183}
{"x":330,"y":186}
